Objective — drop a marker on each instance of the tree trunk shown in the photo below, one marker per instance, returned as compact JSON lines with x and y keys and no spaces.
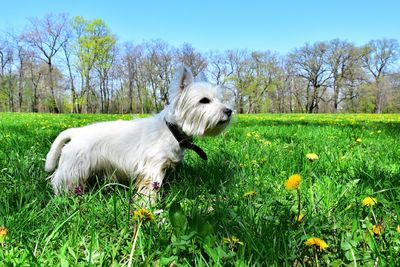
{"x":130,"y":95}
{"x":87,"y":91}
{"x":20,"y":86}
{"x":51,"y":86}
{"x":73,"y":92}
{"x":35,"y":100}
{"x":10,"y":92}
{"x":335,"y":97}
{"x":314,"y":100}
{"x":139,"y":94}
{"x":102,"y":94}
{"x":107,"y":95}
{"x":378,"y":98}
{"x":291,"y":101}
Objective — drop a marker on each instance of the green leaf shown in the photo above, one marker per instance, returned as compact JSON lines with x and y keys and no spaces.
{"x":178,"y":219}
{"x":204,"y":229}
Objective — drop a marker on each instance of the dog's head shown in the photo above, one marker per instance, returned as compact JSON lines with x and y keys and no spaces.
{"x":196,"y":106}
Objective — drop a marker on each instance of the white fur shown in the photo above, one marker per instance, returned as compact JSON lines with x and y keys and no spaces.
{"x":141,"y":149}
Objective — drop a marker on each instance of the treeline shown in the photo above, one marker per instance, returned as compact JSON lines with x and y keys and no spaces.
{"x":62,"y":64}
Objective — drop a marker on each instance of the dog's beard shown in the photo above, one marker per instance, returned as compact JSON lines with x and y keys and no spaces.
{"x":217,"y":128}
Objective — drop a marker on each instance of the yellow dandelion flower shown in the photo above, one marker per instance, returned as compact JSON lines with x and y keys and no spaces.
{"x":369,"y":201}
{"x":317,"y":242}
{"x":232,"y":241}
{"x":359,"y":140}
{"x":299,"y":217}
{"x":266,"y":142}
{"x":377,"y":229}
{"x":248,"y":134}
{"x":3,"y":231}
{"x":293,"y":182}
{"x":249,"y":194}
{"x":398,"y":228}
{"x":143,"y":215}
{"x":312,"y":156}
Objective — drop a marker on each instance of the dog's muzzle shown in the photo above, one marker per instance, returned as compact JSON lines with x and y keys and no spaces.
{"x":228,"y":113}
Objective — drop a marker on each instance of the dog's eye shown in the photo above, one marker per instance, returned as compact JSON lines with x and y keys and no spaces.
{"x":205,"y":100}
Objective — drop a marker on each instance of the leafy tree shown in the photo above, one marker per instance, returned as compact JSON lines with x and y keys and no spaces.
{"x":94,"y":46}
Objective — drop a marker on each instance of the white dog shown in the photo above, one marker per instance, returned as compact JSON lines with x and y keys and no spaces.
{"x":141,"y":149}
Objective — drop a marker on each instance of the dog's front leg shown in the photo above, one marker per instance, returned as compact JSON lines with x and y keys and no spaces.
{"x":147,"y":188}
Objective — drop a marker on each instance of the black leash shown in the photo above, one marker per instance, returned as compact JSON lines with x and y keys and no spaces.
{"x":185,"y":141}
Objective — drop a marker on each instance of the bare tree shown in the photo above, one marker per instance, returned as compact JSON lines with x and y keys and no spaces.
{"x":22,"y":56}
{"x":219,"y":68}
{"x":342,"y":60}
{"x":6,"y":55}
{"x":310,"y":64}
{"x":6,"y":61}
{"x":238,"y":65}
{"x":377,"y":56}
{"x":132,"y":60}
{"x":188,"y":56}
{"x":68,"y":50}
{"x":35,"y":74}
{"x":159,"y":68}
{"x":47,"y":36}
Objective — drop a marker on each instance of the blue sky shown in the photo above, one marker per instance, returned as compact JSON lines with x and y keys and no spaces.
{"x":279,"y":25}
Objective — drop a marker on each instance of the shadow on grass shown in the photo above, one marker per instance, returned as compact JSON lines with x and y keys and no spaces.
{"x":211,"y":189}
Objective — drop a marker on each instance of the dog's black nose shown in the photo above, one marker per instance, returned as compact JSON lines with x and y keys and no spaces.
{"x":228,"y":111}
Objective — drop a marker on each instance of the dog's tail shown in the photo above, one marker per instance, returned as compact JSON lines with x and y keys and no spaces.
{"x":55,"y":150}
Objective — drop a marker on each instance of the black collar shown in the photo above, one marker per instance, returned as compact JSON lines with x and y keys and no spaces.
{"x":185,"y":141}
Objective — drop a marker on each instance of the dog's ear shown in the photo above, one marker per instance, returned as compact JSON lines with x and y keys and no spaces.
{"x":183,"y":78}
{"x":201,"y":77}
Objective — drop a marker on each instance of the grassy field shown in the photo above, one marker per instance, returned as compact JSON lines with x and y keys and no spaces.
{"x":236,"y":209}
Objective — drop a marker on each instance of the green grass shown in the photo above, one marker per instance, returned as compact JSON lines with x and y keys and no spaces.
{"x":204,"y":202}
